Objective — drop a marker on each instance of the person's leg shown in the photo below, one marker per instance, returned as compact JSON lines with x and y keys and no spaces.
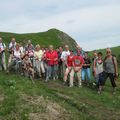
{"x":48,"y":69}
{"x":0,"y":62}
{"x":11,"y":64}
{"x":38,"y":67}
{"x":88,"y":74}
{"x":66,"y":74}
{"x":105,"y":76}
{"x":79,"y":78}
{"x":83,"y":74}
{"x":56,"y":71}
{"x":100,"y":82}
{"x":55,"y":68}
{"x":60,"y":71}
{"x":4,"y":61}
{"x":42,"y":67}
{"x":71,"y":77}
{"x":112,"y":79}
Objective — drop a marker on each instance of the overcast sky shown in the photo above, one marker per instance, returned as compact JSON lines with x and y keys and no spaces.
{"x":93,"y":24}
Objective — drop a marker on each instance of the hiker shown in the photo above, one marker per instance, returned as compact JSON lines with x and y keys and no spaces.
{"x":11,"y":48}
{"x":98,"y":71}
{"x":69,"y":66}
{"x":2,"y":55}
{"x":29,"y":49}
{"x":52,"y":62}
{"x":110,"y":69}
{"x":22,"y":48}
{"x":64,"y":55}
{"x":77,"y":66}
{"x":60,"y":70}
{"x":95,"y":56}
{"x":15,"y":58}
{"x":12,"y":45}
{"x":86,"y":73}
{"x":28,"y":67}
{"x":38,"y":62}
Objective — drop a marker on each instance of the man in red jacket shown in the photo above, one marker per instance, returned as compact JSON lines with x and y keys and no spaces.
{"x":77,"y":66}
{"x":52,"y":63}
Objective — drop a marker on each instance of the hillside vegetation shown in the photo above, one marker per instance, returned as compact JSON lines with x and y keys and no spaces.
{"x":52,"y":36}
{"x":20,"y":99}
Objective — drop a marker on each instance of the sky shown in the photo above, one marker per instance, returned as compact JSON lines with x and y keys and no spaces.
{"x":94,"y":24}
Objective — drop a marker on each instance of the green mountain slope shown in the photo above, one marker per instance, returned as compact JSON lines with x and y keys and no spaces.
{"x":20,"y":99}
{"x":52,"y":36}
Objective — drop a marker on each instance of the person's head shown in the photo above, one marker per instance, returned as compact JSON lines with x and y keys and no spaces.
{"x":60,"y":48}
{"x":78,"y":47}
{"x":57,"y":49}
{"x":66,"y":47}
{"x":78,"y":52}
{"x":29,"y":42}
{"x":100,"y":55}
{"x":26,"y":57}
{"x":108,"y":51}
{"x":95,"y":54}
{"x":51,"y":47}
{"x":13,"y":40}
{"x":0,"y":39}
{"x":71,"y":52}
{"x":86,"y":54}
{"x":37,"y":47}
{"x":17,"y":46}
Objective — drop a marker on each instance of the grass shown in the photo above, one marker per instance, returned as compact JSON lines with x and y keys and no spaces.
{"x":52,"y":36}
{"x":21,"y":98}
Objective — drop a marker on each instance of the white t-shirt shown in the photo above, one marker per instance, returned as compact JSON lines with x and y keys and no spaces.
{"x":12,"y":45}
{"x":17,"y":54}
{"x":38,"y":54}
{"x":2,"y":46}
{"x":64,"y":55}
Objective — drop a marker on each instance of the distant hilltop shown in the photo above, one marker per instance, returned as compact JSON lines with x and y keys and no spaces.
{"x":52,"y":36}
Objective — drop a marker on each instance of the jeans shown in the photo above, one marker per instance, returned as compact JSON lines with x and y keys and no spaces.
{"x":51,"y":71}
{"x":100,"y":78}
{"x":86,"y":73}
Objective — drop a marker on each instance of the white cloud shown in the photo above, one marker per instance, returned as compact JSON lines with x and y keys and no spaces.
{"x":82,"y":23}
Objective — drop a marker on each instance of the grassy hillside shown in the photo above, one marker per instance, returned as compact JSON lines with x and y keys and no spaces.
{"x":20,"y":99}
{"x":52,"y":36}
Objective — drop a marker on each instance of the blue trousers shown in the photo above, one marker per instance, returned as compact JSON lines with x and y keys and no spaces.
{"x":86,"y":74}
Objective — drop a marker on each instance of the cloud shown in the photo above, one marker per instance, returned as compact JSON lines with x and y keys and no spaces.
{"x":85,"y":20}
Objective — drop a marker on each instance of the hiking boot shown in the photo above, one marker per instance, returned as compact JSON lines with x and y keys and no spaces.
{"x":99,"y":92}
{"x":64,"y":83}
{"x":54,"y":78}
{"x":113,"y":91}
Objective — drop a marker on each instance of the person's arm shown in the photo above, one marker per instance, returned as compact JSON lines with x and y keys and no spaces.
{"x":56,"y":56}
{"x":82,"y":62}
{"x":94,"y":67}
{"x":62,"y":59}
{"x":116,"y":67}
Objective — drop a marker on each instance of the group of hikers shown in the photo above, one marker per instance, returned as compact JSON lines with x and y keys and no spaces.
{"x":60,"y":63}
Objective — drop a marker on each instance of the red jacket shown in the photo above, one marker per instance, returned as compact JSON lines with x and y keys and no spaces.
{"x":52,"y":57}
